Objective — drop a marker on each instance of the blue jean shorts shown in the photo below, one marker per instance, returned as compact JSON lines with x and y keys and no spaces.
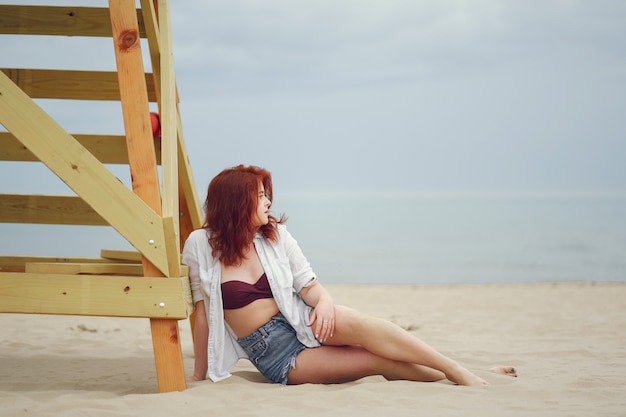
{"x":273,"y":348}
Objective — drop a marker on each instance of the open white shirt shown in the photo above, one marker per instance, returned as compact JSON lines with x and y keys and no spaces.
{"x":288,"y":272}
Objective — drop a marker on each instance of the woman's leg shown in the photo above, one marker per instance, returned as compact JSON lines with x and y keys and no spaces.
{"x":387,"y":340}
{"x":336,"y":364}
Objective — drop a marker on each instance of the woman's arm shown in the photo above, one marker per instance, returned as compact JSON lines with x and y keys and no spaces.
{"x":200,"y":342}
{"x":323,"y":315}
{"x":193,"y":252}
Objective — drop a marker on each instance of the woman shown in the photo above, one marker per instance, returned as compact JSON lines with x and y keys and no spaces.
{"x":264,"y":302}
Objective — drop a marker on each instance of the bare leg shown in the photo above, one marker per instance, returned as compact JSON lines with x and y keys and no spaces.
{"x":336,"y":364}
{"x":389,"y":341}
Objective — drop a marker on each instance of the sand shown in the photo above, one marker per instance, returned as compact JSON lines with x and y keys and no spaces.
{"x":567,"y":340}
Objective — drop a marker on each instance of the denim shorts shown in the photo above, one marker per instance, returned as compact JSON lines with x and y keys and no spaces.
{"x":273,"y":348}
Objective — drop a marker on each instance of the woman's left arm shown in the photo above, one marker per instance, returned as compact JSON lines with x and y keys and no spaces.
{"x":323,"y":315}
{"x":322,"y":318}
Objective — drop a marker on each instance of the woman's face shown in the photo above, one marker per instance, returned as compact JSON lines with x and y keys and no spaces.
{"x":261,"y":217}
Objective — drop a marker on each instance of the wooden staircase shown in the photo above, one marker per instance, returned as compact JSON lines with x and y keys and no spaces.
{"x":155,"y":216}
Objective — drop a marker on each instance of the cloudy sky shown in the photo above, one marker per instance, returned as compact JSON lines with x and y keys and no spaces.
{"x":406,"y":95}
{"x":494,"y":95}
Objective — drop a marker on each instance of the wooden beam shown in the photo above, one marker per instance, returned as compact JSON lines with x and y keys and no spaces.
{"x":120,"y":255}
{"x":66,"y":268}
{"x":82,"y":172}
{"x":18,"y":263}
{"x":190,"y":213}
{"x":47,"y":209}
{"x":71,"y":84}
{"x":108,"y":149}
{"x":151,"y":24}
{"x":165,"y":335}
{"x":169,"y":141}
{"x":173,"y":248}
{"x":58,"y":21}
{"x":134,"y":99}
{"x":92,"y":295}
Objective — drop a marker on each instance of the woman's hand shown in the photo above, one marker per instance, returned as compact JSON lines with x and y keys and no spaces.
{"x":323,"y":320}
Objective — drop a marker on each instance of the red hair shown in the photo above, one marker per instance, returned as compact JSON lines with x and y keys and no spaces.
{"x":230,"y":204}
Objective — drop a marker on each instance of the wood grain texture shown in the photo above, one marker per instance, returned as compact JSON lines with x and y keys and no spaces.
{"x":89,"y":295}
{"x":72,"y":84}
{"x":58,"y":21}
{"x":145,"y":181}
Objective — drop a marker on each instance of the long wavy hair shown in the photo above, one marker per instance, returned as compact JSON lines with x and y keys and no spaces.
{"x":230,"y":205}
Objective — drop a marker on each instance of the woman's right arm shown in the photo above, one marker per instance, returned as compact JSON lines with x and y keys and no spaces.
{"x":192,"y":254}
{"x":200,"y":342}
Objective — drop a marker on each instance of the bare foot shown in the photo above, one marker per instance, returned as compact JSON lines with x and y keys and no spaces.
{"x":462,"y":376}
{"x":505,"y":370}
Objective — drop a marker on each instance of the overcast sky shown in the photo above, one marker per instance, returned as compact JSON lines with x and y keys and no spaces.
{"x":511,"y":95}
{"x":407,"y":94}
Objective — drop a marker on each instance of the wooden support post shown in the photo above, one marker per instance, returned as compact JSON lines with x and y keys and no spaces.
{"x":141,"y":154}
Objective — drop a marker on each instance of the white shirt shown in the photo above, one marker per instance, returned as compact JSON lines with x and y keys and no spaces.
{"x":288,"y":272}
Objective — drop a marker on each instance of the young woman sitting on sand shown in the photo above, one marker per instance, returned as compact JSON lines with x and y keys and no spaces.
{"x":263,"y":302}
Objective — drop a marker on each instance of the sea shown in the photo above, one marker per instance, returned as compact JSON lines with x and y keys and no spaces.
{"x":459,"y":237}
{"x":417,"y":237}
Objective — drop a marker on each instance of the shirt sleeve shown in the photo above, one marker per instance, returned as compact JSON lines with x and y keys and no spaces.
{"x":303,"y":274}
{"x":191,"y":258}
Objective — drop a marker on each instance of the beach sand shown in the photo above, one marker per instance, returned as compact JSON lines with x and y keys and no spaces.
{"x":567,"y":340}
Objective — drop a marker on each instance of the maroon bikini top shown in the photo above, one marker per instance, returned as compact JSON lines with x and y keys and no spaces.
{"x":237,"y":294}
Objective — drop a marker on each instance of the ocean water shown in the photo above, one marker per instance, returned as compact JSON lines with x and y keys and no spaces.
{"x":426,"y":238}
{"x":416,"y":238}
